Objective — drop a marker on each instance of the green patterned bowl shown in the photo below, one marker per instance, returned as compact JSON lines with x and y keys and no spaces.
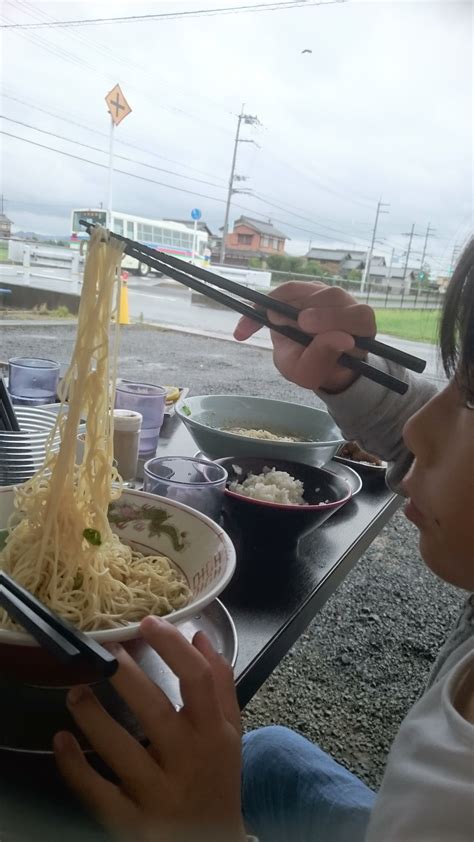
{"x":195,"y":544}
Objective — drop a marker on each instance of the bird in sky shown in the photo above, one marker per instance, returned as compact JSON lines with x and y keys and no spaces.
{"x":305,"y":51}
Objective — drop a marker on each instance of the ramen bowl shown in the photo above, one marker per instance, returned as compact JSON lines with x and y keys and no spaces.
{"x":263,"y":524}
{"x":209,"y":419}
{"x":196,"y":546}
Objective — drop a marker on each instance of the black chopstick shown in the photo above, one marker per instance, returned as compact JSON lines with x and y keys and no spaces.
{"x":54,"y":642}
{"x":366,"y":343}
{"x":61,"y":638}
{"x":294,"y":333}
{"x":7,"y":413}
{"x":157,"y":260}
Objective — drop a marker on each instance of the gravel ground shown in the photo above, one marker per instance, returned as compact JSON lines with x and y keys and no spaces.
{"x":363,"y":661}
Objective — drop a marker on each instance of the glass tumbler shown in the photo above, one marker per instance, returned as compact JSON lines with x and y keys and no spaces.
{"x":150,"y":402}
{"x":32,"y":381}
{"x":196,"y":482}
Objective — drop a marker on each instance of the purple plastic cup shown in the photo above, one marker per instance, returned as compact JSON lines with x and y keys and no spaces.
{"x":150,"y":402}
{"x":32,"y":381}
{"x":198,"y":483}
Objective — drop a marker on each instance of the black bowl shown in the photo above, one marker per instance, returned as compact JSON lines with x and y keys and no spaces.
{"x":261,"y":524}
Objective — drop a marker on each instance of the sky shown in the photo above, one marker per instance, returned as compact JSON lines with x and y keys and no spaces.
{"x":381,"y":108}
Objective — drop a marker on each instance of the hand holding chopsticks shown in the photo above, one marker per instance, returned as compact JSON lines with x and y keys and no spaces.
{"x":63,"y":640}
{"x":192,"y":276}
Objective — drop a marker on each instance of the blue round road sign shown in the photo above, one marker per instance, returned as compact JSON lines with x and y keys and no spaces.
{"x":196,"y":213}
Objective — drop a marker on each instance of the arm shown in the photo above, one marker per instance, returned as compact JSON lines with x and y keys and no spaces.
{"x":375,"y":417}
{"x":362,"y":409}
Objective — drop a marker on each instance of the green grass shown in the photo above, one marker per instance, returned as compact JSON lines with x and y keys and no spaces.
{"x":417,"y":325}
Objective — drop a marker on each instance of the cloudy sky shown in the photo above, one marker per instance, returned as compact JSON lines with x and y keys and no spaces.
{"x":382,"y":106}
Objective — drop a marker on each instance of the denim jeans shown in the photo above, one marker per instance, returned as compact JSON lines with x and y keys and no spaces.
{"x":294,"y":792}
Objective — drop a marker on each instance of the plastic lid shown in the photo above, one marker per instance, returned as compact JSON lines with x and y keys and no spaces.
{"x":127,"y":421}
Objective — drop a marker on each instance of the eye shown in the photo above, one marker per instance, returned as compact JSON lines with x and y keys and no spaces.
{"x":469,"y":403}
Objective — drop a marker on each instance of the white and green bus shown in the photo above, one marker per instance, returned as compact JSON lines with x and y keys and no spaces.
{"x":171,"y":237}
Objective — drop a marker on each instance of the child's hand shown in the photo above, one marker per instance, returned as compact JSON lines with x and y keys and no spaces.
{"x":186,"y":785}
{"x":330,"y":313}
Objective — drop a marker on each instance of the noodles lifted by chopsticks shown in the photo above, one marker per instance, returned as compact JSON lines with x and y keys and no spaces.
{"x":63,"y":549}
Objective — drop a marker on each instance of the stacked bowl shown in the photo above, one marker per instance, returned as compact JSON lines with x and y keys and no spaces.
{"x":22,"y":453}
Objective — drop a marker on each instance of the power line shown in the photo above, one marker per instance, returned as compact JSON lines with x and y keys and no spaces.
{"x":73,"y":122}
{"x":300,"y":216}
{"x":105,"y":166}
{"x":255,"y":215}
{"x":104,"y":151}
{"x":79,"y":61}
{"x":104,"y":48}
{"x":226,"y":10}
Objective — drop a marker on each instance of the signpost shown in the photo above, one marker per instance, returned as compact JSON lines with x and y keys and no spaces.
{"x":196,"y":215}
{"x":118,"y":109}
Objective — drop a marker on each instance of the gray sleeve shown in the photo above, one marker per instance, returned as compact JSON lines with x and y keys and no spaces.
{"x":375,"y":417}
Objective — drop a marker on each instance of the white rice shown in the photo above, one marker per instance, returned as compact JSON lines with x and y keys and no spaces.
{"x":273,"y":486}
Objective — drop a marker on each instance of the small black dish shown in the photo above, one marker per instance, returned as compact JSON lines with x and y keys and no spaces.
{"x":261,"y":524}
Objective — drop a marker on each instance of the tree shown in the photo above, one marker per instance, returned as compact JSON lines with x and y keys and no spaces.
{"x":354,"y":275}
{"x":314,"y":268}
{"x":285,"y":263}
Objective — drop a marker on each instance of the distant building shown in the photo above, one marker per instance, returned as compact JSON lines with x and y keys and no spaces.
{"x":341,"y":261}
{"x":396,"y":278}
{"x":252,"y":238}
{"x":5,"y":227}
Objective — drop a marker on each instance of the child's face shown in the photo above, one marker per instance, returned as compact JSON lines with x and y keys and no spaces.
{"x":440,"y":484}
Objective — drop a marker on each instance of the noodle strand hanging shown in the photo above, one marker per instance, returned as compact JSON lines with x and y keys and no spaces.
{"x":60,"y":545}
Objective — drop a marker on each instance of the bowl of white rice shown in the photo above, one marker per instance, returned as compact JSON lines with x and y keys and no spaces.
{"x":273,"y":501}
{"x":245,"y":425}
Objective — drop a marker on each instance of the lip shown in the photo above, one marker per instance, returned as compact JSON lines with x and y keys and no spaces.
{"x":414,"y":514}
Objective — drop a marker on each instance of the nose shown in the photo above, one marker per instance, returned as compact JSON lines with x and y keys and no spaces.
{"x":424,"y":429}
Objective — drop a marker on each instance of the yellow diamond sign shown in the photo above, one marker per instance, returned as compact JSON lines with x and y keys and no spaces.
{"x":117,"y":105}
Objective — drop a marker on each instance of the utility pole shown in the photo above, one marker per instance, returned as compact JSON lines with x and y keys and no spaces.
{"x":391,"y":264}
{"x":410,"y":235}
{"x":429,"y":231}
{"x":250,"y":121}
{"x":366,"y":273}
{"x":454,"y":258}
{"x":2,"y":203}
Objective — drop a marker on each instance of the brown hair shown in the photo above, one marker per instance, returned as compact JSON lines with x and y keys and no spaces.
{"x":456,"y":335}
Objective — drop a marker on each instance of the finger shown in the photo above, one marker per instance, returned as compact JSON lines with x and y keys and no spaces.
{"x":148,"y":702}
{"x":125,"y":756}
{"x":223,"y":677}
{"x":310,"y":367}
{"x":196,"y":680}
{"x":245,"y":328}
{"x":102,"y":797}
{"x":322,"y":356}
{"x":356,"y":319}
{"x":295,"y":293}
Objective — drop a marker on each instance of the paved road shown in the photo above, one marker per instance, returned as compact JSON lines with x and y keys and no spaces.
{"x":171,"y":305}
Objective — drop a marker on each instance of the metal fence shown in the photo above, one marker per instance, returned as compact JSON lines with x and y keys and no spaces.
{"x":414,"y":297}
